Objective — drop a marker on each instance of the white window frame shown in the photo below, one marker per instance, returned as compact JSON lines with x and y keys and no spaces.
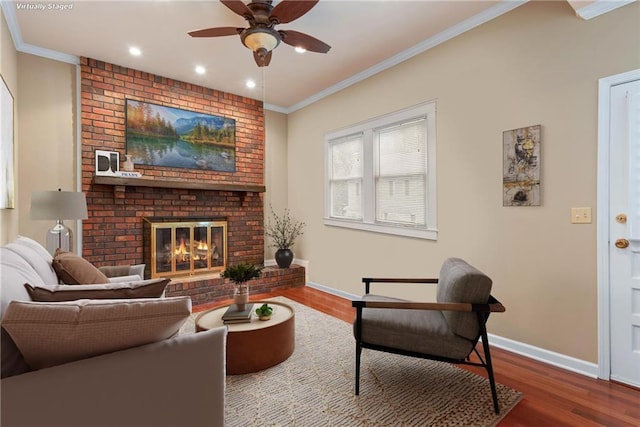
{"x":426,"y":110}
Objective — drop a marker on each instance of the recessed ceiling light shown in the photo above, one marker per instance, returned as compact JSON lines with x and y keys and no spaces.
{"x":135,"y":51}
{"x":251,"y":84}
{"x":200,"y":69}
{"x":300,"y":49}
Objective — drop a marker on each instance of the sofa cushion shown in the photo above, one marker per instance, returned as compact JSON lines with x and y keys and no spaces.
{"x":152,"y":288}
{"x":50,"y":334}
{"x":12,"y":361}
{"x":35,"y":260}
{"x":75,"y":270}
{"x":14,"y":273}
{"x":35,"y":246}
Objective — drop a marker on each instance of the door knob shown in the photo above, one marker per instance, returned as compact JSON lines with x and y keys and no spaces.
{"x":622,"y":243}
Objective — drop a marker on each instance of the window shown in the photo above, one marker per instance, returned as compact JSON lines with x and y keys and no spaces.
{"x":346,"y":177}
{"x":380,"y":174}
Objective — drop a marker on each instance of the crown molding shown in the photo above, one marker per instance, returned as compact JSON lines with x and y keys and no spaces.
{"x":276,"y":108}
{"x":8,"y":9}
{"x":600,"y":7}
{"x":48,"y":53}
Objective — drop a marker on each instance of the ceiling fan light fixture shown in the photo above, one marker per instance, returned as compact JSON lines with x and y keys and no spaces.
{"x":260,"y":39}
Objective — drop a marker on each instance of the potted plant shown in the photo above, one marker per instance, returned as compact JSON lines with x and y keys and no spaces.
{"x":283,"y":231}
{"x":264,"y":312}
{"x":240,"y":274}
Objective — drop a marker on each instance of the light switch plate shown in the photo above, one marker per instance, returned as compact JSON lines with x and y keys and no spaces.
{"x":581,"y":215}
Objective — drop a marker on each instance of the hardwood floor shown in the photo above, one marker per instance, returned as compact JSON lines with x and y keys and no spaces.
{"x":552,"y":396}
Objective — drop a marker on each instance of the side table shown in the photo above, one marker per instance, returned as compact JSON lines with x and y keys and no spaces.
{"x":258,"y":344}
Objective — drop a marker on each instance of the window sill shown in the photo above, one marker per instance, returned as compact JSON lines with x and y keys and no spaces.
{"x":429,"y":234}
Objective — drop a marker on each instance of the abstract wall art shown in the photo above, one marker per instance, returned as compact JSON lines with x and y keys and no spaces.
{"x":521,"y":166}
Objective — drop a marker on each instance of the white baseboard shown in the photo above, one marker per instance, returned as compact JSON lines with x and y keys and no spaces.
{"x":546,"y":356}
{"x":332,"y":291}
{"x":536,"y":353}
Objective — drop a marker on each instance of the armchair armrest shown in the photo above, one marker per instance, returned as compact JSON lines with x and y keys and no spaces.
{"x":368,"y":280}
{"x":125,"y":279}
{"x":440,"y":306}
{"x":115,"y":271}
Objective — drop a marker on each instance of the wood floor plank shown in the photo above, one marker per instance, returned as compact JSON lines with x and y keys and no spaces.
{"x":552,"y":396}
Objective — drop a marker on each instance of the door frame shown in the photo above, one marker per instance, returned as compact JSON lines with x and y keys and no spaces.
{"x":604,"y":316}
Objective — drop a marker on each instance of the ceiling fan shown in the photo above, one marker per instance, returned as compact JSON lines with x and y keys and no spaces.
{"x":261,"y":36}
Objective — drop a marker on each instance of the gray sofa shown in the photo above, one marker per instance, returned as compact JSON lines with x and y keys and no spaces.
{"x":170,"y":381}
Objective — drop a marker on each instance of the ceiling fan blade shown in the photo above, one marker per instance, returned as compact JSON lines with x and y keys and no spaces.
{"x":290,"y":10}
{"x":305,"y":41}
{"x":216,"y":32}
{"x":262,"y":62}
{"x":238,"y":7}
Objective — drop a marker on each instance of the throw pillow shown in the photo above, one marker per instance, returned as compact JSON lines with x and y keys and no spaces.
{"x":50,"y":334}
{"x":152,"y":288}
{"x":75,"y":270}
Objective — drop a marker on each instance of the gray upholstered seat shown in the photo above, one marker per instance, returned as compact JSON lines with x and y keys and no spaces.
{"x":419,"y":331}
{"x":447,"y":330}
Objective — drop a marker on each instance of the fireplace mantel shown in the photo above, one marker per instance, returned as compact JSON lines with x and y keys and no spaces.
{"x":120,"y":182}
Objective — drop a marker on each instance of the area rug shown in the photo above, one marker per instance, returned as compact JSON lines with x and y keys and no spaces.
{"x":315,"y":386}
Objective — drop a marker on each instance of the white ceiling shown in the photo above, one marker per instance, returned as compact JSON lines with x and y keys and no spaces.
{"x":366,"y":36}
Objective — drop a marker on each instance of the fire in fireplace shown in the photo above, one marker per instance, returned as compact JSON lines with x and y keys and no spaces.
{"x":185,"y":247}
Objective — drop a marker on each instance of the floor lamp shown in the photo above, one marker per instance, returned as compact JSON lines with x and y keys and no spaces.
{"x":58,"y":205}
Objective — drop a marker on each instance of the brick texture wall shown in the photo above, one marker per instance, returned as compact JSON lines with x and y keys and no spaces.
{"x":113,"y":232}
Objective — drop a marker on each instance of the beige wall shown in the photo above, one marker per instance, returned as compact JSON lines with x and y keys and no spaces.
{"x":538,"y":64}
{"x":275,"y":167}
{"x":47,"y":135}
{"x":9,"y":71}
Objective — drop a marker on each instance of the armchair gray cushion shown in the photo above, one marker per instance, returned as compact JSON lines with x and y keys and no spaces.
{"x":419,"y":331}
{"x":461,"y":282}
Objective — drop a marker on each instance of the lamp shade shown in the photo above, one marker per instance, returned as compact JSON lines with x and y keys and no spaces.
{"x":58,"y":205}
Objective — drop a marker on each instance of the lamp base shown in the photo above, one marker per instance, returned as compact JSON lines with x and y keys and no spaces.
{"x":59,"y":236}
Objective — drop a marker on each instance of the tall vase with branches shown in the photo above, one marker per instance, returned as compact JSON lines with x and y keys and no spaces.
{"x":283,"y":231}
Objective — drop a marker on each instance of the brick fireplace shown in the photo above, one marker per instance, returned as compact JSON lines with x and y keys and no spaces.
{"x":117,"y":206}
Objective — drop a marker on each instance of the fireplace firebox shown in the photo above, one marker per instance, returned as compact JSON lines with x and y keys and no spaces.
{"x":184,"y":247}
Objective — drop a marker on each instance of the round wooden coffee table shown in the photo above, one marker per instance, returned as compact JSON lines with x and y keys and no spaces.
{"x":258,"y":344}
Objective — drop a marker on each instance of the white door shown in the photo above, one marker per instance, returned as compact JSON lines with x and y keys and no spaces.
{"x":624,"y":232}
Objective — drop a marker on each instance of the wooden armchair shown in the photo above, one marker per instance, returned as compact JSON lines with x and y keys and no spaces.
{"x":447,"y":330}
